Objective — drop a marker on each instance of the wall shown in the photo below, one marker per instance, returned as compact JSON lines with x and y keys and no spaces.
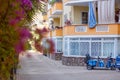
{"x":119,"y":29}
{"x":77,"y":13}
{"x":56,"y":21}
{"x":114,"y":29}
{"x":59,"y":32}
{"x":61,"y":19}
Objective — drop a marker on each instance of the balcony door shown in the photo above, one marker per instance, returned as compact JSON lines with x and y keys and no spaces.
{"x":84,"y":16}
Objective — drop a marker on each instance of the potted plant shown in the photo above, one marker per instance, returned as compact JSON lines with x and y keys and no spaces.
{"x":67,"y":22}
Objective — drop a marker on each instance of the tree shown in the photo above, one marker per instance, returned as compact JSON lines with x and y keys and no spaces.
{"x":14,"y":33}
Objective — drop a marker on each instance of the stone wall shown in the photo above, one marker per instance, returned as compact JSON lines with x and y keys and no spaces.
{"x":56,"y":56}
{"x":73,"y":61}
{"x":77,"y":61}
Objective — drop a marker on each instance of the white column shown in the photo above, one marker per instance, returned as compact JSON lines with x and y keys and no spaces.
{"x":115,"y":47}
{"x":102,"y":46}
{"x":63,"y":45}
{"x":68,"y":46}
{"x":90,"y":46}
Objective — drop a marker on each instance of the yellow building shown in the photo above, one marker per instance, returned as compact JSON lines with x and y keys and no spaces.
{"x":78,"y":37}
{"x":54,"y":14}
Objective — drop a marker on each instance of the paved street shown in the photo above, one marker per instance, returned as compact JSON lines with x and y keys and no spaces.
{"x":38,"y":67}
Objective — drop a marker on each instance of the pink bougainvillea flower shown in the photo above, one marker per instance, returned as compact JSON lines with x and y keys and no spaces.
{"x":27,"y":4}
{"x":25,"y":33}
{"x":40,"y":31}
{"x":52,"y":45}
{"x":44,"y":30}
{"x":38,"y":46}
{"x":39,"y":0}
{"x":19,"y":47}
{"x":13,"y":22}
{"x":20,"y":14}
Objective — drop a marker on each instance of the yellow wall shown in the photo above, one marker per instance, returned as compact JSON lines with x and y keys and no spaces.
{"x":57,"y":32}
{"x":119,"y":29}
{"x":58,"y":6}
{"x":50,"y":33}
{"x":61,"y":19}
{"x":114,"y":29}
{"x":56,"y":21}
{"x":57,"y":18}
{"x":77,"y":13}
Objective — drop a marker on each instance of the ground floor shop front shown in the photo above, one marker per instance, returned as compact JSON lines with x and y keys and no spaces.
{"x":76,"y":47}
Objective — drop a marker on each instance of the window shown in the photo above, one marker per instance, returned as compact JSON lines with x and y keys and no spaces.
{"x":108,"y":49}
{"x":78,"y":46}
{"x":84,"y":17}
{"x":102,"y":28}
{"x":96,"y":49}
{"x":118,"y":45}
{"x":80,"y":29}
{"x":84,"y":48}
{"x":112,"y":39}
{"x":84,"y":39}
{"x":96,"y":38}
{"x":59,"y":38}
{"x":74,"y":39}
{"x":74,"y":48}
{"x":59,"y":45}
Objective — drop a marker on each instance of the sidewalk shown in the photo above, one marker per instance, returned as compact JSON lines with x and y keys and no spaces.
{"x":38,"y":67}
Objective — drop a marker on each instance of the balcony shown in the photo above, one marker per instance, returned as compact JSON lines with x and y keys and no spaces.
{"x":57,"y":8}
{"x":100,"y":30}
{"x":77,"y":2}
{"x":57,"y":33}
{"x":51,"y":15}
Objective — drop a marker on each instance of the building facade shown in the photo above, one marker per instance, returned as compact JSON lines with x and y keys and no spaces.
{"x":55,"y":11}
{"x":79,"y":39}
